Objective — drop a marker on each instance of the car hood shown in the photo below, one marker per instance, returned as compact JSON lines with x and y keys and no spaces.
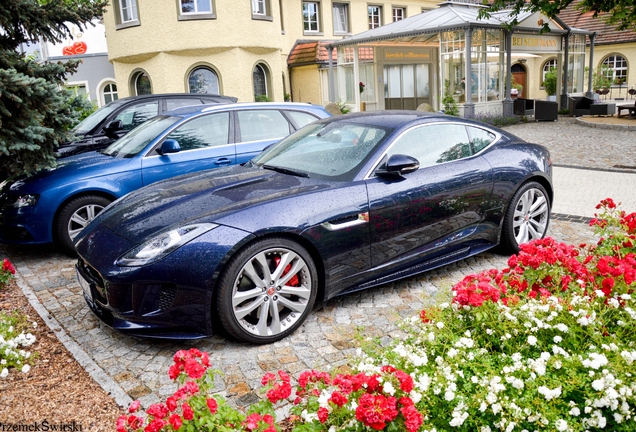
{"x":83,"y":166}
{"x":225,"y":196}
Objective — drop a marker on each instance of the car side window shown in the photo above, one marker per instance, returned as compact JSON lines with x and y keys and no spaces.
{"x":258,"y":125}
{"x":480,"y":138}
{"x":301,"y":118}
{"x":135,"y":115}
{"x":434,"y":144}
{"x":206,"y":131}
{"x":178,"y":103}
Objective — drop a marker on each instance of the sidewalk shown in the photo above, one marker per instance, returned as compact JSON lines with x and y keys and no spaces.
{"x":133,"y":368}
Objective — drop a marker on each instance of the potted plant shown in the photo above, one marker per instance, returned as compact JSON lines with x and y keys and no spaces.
{"x":550,"y":84}
{"x":517,"y":90}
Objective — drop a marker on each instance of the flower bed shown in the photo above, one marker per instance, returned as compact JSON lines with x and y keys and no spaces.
{"x":548,"y":343}
{"x":12,"y":332}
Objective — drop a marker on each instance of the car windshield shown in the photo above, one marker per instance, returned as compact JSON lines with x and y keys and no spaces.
{"x":136,"y":140}
{"x":94,"y":119}
{"x":331,"y":151}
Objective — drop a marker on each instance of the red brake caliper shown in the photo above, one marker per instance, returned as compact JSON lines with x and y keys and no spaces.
{"x":294,"y":280}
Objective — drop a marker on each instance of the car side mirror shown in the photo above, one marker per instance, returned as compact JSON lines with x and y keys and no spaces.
{"x":113,"y":127}
{"x":397,"y":165}
{"x":169,"y":146}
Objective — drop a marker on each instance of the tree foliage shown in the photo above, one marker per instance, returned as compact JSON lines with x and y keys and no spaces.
{"x":36,"y":113}
{"x":619,"y":13}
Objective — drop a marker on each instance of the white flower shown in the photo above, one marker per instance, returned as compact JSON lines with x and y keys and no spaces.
{"x":440,"y":325}
{"x":489,"y":332}
{"x":561,"y":425}
{"x":598,"y":385}
{"x":388,"y":387}
{"x":575,"y":412}
{"x":26,"y":368}
{"x":561,"y":327}
{"x":557,"y":339}
{"x":549,"y":394}
{"x":532,"y":340}
{"x":596,"y":361}
{"x":452,"y":352}
{"x":449,"y":395}
{"x":4,"y":373}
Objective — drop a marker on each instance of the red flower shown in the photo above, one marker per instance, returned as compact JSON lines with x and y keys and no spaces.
{"x":251,"y":421}
{"x":188,"y":414}
{"x":267,"y":378}
{"x":121,"y":423}
{"x":157,"y":410}
{"x":412,"y":418}
{"x":175,"y":421}
{"x":212,"y":405}
{"x":155,"y":425}
{"x":134,"y":422}
{"x":323,"y":414}
{"x":171,"y":402}
{"x":134,"y":407}
{"x":7,"y":266}
{"x":194,"y":369}
{"x":423,"y":316}
{"x":406,"y":382}
{"x":338,"y":399}
{"x":376,"y":410}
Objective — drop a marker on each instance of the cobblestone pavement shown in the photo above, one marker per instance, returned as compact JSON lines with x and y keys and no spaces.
{"x":134,"y":368}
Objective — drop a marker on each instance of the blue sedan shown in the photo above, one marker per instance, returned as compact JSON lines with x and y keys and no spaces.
{"x":343,"y":204}
{"x":55,"y":205}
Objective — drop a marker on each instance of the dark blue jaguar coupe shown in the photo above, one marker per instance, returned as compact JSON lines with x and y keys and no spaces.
{"x":341,"y":205}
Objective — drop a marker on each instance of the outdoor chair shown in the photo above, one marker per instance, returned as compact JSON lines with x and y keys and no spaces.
{"x":630,"y":108}
{"x":603,"y":109}
{"x":546,"y":110}
{"x":523,"y":107}
{"x":579,"y":105}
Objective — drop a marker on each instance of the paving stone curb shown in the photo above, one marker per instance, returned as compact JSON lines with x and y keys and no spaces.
{"x":581,"y":121}
{"x":97,"y":373}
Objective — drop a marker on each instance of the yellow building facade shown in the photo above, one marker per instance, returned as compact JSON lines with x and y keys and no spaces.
{"x":236,"y":48}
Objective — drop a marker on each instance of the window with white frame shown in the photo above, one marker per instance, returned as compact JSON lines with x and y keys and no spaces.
{"x":311,"y":19}
{"x":196,"y":6}
{"x":398,"y":14}
{"x":128,"y":11}
{"x":340,"y":18}
{"x":550,"y":64}
{"x":615,"y":68}
{"x":109,"y":93}
{"x":375,"y":16}
{"x":259,"y":7}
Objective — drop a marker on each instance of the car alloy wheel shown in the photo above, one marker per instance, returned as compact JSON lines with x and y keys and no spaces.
{"x":75,"y":216}
{"x":273,"y":288}
{"x":527,"y":217}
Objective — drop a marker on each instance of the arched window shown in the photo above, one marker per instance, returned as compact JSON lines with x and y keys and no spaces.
{"x":109,"y":93}
{"x":260,"y":84}
{"x":141,"y":84}
{"x":615,"y":68}
{"x":552,"y":63}
{"x":203,"y":80}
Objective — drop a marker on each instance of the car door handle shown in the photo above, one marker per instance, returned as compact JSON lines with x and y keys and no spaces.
{"x":223,"y":161}
{"x":476,"y":179}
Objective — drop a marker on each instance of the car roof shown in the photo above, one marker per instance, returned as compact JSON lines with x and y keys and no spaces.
{"x":213,"y":107}
{"x":128,"y":99}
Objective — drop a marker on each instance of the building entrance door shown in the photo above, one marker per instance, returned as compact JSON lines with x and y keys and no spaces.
{"x":519,"y":77}
{"x":406,"y":86}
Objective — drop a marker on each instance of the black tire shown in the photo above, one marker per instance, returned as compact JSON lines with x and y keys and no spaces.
{"x":74,"y":216}
{"x":287,"y":288}
{"x":527,"y":217}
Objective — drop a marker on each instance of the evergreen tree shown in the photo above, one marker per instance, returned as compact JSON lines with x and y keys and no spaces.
{"x":36,"y":113}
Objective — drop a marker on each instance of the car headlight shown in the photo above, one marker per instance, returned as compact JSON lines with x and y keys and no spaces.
{"x":162,"y":245}
{"x":24,"y":201}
